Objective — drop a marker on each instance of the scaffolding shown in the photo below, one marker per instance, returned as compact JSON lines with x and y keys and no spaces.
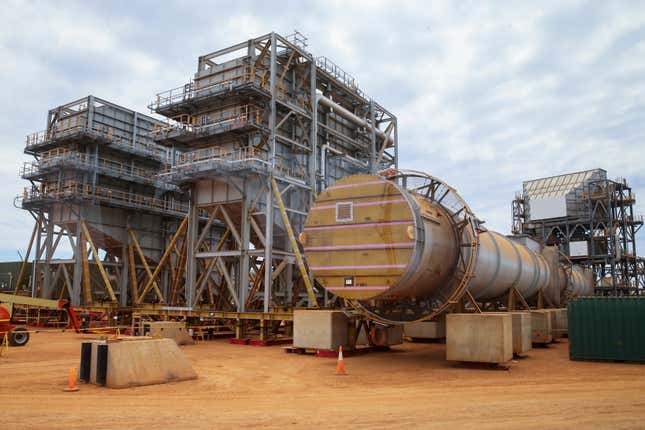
{"x":591,"y":219}
{"x":95,"y":187}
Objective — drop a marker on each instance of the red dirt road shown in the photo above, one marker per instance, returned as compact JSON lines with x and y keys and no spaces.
{"x":254,"y":387}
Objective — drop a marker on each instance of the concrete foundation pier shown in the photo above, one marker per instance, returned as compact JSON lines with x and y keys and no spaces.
{"x":541,"y":326}
{"x":481,"y":338}
{"x":426,"y":330}
{"x":522,"y":333}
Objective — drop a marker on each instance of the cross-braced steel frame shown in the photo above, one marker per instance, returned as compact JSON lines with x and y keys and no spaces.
{"x":199,"y":214}
{"x":609,"y":226}
{"x":261,"y":128}
{"x":102,"y":216}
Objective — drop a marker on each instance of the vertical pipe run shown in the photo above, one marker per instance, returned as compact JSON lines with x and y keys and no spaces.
{"x":245,"y":239}
{"x":191,"y":237}
{"x":34,"y":269}
{"x":268,"y":235}
{"x":373,"y":167}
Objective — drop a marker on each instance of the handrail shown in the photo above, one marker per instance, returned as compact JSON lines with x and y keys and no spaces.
{"x":188,"y":160}
{"x":332,"y":69}
{"x":235,"y":115}
{"x":75,"y":189}
{"x":58,"y":156}
{"x":189,"y":91}
{"x":147,"y":148}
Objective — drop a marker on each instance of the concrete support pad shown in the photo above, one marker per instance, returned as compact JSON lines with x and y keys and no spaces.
{"x":426,"y":329}
{"x":132,"y":362}
{"x":522,"y":334}
{"x":558,"y":323}
{"x":481,"y":338}
{"x":320,"y":329}
{"x":174,"y":330}
{"x":541,"y":326}
{"x":560,"y":320}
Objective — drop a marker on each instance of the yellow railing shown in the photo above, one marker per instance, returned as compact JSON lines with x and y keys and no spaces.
{"x":232,"y":117}
{"x":191,"y":90}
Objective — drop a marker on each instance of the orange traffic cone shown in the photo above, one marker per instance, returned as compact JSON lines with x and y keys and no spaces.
{"x":71,"y":383}
{"x":340,"y":367}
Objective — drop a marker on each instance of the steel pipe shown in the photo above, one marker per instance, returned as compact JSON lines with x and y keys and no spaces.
{"x":338,"y":109}
{"x":503,"y":263}
{"x":576,"y":281}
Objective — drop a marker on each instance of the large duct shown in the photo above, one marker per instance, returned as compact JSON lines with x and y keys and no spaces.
{"x":355,"y":119}
{"x":407,"y":247}
{"x":577,"y":281}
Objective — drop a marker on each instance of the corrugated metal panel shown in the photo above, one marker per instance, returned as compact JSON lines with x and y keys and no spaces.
{"x":561,"y":185}
{"x":570,"y":187}
{"x":607,"y":329}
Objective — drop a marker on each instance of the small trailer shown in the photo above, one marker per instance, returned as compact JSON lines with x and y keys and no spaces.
{"x":18,"y":335}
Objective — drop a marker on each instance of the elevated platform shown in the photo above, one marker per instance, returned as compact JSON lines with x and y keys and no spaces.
{"x":39,"y":142}
{"x":33,"y":198}
{"x":188,"y":99}
{"x":85,"y":163}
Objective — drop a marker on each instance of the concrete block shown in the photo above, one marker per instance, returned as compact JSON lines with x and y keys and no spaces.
{"x":481,"y":338}
{"x":554,"y":332}
{"x":174,"y":330}
{"x":320,"y":329}
{"x":561,"y":326}
{"x":541,"y":326}
{"x":522,"y":335}
{"x":426,"y":329}
{"x":556,"y":323}
{"x":141,"y":361}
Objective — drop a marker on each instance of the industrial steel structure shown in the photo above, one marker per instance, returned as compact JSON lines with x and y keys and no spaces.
{"x":591,"y":219}
{"x":95,"y":194}
{"x":405,"y":247}
{"x":204,"y":205}
{"x":262,"y":127}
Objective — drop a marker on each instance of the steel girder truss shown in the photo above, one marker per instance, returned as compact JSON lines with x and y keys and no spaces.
{"x":261,"y":134}
{"x":267,"y":130}
{"x":101,"y":270}
{"x":609,"y":227}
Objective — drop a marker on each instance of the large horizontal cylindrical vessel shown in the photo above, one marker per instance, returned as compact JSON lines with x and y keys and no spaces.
{"x":503,"y":263}
{"x":576,"y":281}
{"x":367,"y":237}
{"x":407,"y":247}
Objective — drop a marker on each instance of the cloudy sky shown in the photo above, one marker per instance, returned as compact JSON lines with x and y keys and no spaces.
{"x":486,"y":95}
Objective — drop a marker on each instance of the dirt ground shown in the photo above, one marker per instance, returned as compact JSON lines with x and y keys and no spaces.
{"x":411,"y":386}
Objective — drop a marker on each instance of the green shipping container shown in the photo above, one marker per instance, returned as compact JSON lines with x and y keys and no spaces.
{"x":607,"y":329}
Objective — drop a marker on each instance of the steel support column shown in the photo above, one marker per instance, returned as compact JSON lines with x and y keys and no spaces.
{"x":191,"y":238}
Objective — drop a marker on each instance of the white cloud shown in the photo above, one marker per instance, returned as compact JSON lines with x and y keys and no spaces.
{"x":486,"y":95}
